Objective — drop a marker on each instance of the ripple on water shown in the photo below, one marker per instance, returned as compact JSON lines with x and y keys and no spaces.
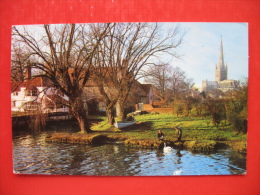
{"x":33,"y":156}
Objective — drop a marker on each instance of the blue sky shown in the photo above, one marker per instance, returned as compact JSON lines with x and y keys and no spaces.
{"x":200,"y":50}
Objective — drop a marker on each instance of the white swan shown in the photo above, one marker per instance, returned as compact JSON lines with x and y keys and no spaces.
{"x":178,"y":172}
{"x":167,"y":148}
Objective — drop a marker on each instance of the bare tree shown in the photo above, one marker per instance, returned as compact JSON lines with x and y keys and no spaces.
{"x":65,"y":55}
{"x":19,"y":61}
{"x":179,"y":84}
{"x":159,"y":77}
{"x":170,"y":82}
{"x":124,"y":53}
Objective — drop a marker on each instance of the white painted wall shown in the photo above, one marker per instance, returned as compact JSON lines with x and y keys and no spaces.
{"x":19,"y":98}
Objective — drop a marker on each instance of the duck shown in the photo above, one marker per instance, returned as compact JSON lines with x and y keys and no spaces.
{"x":167,"y":148}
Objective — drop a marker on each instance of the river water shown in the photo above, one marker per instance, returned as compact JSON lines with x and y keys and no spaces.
{"x":32,"y":155}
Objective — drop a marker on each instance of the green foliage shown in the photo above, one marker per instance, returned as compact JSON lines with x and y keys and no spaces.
{"x":178,"y":107}
{"x":237,"y":110}
{"x":237,"y":117}
{"x":198,"y":109}
{"x":186,"y":106}
{"x":217,"y":111}
{"x":231,"y":108}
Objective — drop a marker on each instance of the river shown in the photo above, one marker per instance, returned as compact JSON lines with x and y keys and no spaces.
{"x":32,"y":155}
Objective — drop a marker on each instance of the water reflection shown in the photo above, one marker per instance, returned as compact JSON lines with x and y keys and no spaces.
{"x":32,"y":155}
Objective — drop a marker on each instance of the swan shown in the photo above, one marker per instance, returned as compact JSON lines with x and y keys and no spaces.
{"x":178,"y":172}
{"x":167,"y":148}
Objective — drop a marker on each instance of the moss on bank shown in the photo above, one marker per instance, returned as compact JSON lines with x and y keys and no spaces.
{"x":240,"y":146}
{"x":200,"y":145}
{"x":98,"y":139}
{"x":89,"y":139}
{"x":198,"y":134}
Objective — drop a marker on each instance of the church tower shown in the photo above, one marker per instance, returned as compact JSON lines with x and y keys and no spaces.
{"x":221,"y":68}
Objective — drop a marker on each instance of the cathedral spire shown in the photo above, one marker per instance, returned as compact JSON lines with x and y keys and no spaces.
{"x":221,"y":70}
{"x":221,"y":56}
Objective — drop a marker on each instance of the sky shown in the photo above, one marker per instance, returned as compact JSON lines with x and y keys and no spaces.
{"x":201,"y":47}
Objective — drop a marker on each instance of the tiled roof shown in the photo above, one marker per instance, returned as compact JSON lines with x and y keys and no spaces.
{"x":146,"y":87}
{"x":29,"y":84}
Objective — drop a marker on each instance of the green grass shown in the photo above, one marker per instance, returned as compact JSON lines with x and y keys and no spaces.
{"x":102,"y":126}
{"x":193,"y":128}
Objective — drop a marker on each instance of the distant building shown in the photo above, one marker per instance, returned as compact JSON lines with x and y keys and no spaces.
{"x":36,"y":94}
{"x":221,"y":77}
{"x":139,"y":95}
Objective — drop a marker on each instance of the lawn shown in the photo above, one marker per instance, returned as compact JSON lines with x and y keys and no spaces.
{"x":193,"y":128}
{"x":198,"y":133}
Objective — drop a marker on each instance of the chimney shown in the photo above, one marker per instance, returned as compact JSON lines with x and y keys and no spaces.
{"x":28,"y":73}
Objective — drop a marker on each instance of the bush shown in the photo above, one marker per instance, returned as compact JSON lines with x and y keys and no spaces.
{"x":239,"y":124}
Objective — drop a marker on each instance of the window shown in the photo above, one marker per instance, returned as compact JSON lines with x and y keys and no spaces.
{"x":143,"y":100}
{"x":102,"y":106}
{"x":31,"y":93}
{"x":32,"y":106}
{"x":15,"y":93}
{"x":140,"y":106}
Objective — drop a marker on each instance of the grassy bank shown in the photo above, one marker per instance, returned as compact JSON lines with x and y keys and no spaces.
{"x":198,"y":134}
{"x":193,"y":128}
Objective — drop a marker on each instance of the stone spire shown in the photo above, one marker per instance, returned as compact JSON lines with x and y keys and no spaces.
{"x":221,"y":56}
{"x":221,"y":69}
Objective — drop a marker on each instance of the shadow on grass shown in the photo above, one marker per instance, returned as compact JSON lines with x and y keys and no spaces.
{"x":139,"y":126}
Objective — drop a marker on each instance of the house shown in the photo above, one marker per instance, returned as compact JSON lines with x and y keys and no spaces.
{"x":36,"y":94}
{"x":145,"y":96}
{"x":146,"y":93}
{"x":140,"y":94}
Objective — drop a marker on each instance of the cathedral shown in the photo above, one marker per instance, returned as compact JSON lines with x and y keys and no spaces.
{"x":221,"y":77}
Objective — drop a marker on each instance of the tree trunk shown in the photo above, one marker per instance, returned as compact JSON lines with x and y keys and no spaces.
{"x":120,"y":110}
{"x":110,"y":115}
{"x":79,"y":110}
{"x":83,"y":125}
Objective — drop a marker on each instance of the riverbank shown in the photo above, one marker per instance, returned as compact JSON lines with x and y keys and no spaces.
{"x":198,"y":134}
{"x":99,"y":139}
